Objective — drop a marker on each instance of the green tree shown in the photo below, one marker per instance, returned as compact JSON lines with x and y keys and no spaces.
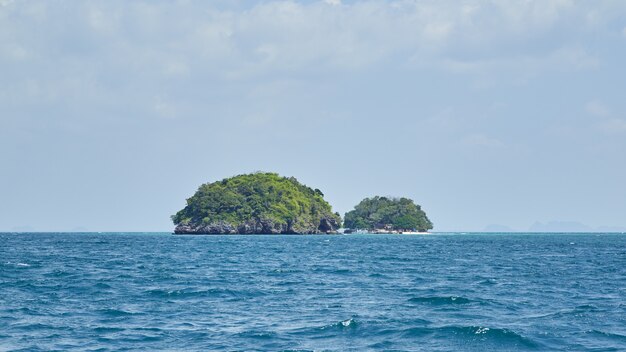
{"x":380,"y":212}
{"x":283,"y":202}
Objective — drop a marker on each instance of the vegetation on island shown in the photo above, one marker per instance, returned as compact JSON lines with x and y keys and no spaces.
{"x":398,"y":214}
{"x":263,"y":203}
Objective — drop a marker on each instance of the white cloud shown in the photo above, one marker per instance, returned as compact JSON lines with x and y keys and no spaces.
{"x":122,"y":43}
{"x":574,"y":57}
{"x":607,"y":124}
{"x":560,"y":59}
{"x":597,"y":108}
{"x":613,"y":126}
{"x":292,"y":35}
{"x":165,"y":109}
{"x":481,"y":140}
{"x":176,"y":68}
{"x":14,"y":52}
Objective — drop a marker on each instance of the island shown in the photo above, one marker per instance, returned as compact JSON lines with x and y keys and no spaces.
{"x":258,"y":203}
{"x":387,"y":215}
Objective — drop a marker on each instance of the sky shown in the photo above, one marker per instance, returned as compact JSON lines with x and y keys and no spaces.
{"x":489,"y":114}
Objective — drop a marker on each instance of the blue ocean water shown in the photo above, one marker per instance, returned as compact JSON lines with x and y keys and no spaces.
{"x":444,"y":292}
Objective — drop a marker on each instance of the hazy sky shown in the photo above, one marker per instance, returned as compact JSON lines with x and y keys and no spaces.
{"x":508,"y":112}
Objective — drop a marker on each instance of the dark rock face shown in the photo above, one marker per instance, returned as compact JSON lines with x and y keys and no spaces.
{"x":328,"y":225}
{"x":260,"y":227}
{"x":214,"y":228}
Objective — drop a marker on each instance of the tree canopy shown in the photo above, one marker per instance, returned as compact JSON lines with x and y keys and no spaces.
{"x":282,"y":202}
{"x":382,"y":212}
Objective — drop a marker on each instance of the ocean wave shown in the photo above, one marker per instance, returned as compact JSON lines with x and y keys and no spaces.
{"x":280,"y":271}
{"x":610,"y":335}
{"x":107,"y":329}
{"x":334,"y":271}
{"x":17,"y":264}
{"x":329,"y":330}
{"x":181,"y":292}
{"x":288,"y":283}
{"x":580,"y":310}
{"x":348,"y":323}
{"x":376,"y":275}
{"x":39,"y":327}
{"x":142,"y":338}
{"x":481,"y":334}
{"x":102,"y":286}
{"x":585,"y":308}
{"x":489,"y":281}
{"x":259,"y":335}
{"x":191,"y":293}
{"x":341,"y":325}
{"x":116,"y":312}
{"x":57,"y":273}
{"x":441,"y":300}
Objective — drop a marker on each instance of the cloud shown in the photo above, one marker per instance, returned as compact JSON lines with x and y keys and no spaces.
{"x":597,"y":108}
{"x":568,"y":58}
{"x":165,"y":109}
{"x":115,"y":49}
{"x":483,"y":141}
{"x":608,"y":124}
{"x":14,"y":52}
{"x":613,"y":126}
{"x":286,"y":36}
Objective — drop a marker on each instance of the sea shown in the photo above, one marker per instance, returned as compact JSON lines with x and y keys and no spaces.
{"x":438,"y":292}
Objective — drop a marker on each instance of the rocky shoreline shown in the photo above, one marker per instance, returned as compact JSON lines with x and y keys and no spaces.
{"x":258,"y":227}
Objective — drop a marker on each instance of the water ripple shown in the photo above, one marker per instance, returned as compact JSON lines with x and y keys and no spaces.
{"x":104,"y":292}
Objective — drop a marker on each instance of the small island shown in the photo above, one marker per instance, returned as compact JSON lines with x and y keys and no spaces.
{"x":387,"y":215}
{"x":259,"y":203}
